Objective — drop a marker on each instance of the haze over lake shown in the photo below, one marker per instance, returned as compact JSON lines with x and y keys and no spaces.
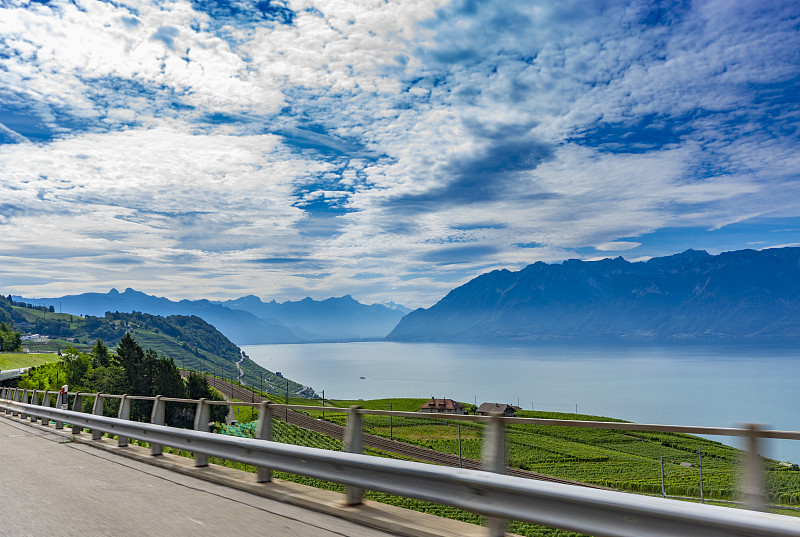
{"x":712,"y":385}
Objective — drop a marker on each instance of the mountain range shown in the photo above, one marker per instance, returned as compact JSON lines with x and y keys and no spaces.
{"x":334,"y":318}
{"x":692,"y":295}
{"x":248,"y":320}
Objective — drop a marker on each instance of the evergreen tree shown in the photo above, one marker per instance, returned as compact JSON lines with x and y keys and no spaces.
{"x":197,"y":388}
{"x":130,"y":356}
{"x":167,"y":379}
{"x":100,"y":354}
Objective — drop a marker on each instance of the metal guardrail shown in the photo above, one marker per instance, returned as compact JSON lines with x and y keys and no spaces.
{"x":497,"y":496}
{"x":12,"y":373}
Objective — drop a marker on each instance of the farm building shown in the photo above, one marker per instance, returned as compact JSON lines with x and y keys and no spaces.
{"x":443,"y":406}
{"x":506,"y":410}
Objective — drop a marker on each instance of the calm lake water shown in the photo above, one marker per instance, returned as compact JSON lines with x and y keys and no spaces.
{"x":708,"y":385}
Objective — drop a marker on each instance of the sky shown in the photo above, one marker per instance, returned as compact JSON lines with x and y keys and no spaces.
{"x":387,"y":149}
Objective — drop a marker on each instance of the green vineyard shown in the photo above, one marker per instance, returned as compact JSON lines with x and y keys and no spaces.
{"x":617,"y":459}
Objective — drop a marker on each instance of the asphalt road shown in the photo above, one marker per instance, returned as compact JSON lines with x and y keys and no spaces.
{"x":54,"y":487}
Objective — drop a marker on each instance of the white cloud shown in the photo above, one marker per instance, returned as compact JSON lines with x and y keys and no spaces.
{"x":616,"y":246}
{"x":178,"y":139}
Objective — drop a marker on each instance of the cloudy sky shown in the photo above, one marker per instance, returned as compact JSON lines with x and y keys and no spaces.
{"x":389,"y":149}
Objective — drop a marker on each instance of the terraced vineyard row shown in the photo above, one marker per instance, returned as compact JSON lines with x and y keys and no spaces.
{"x":618,"y":459}
{"x":410,"y":451}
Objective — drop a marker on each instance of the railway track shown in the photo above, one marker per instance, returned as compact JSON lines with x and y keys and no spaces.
{"x":333,"y":430}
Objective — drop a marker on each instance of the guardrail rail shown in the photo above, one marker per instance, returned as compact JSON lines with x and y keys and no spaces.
{"x":491,"y":493}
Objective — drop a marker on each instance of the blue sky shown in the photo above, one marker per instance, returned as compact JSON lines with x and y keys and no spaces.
{"x":391,"y":150}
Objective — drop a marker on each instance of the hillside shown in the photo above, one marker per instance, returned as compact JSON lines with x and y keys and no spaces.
{"x":248,"y":320}
{"x":189,"y":340}
{"x":693,"y":295}
{"x":239,"y":326}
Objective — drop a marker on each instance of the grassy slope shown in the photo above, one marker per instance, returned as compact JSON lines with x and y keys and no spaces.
{"x":166,"y":345}
{"x":16,"y":360}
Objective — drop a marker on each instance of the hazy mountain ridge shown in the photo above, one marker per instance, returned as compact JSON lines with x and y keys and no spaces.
{"x":739,"y":294}
{"x":248,"y":320}
{"x":333,"y":318}
{"x":239,"y":326}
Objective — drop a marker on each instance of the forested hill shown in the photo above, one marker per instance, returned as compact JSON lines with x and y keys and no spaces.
{"x":693,"y":295}
{"x":189,"y":340}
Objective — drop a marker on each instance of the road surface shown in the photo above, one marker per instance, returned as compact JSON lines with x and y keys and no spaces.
{"x":55,"y":487}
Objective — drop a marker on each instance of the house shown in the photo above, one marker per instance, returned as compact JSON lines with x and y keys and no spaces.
{"x":443,"y":406}
{"x":506,"y":410}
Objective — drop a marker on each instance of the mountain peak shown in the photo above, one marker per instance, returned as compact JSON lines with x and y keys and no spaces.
{"x":742,"y":294}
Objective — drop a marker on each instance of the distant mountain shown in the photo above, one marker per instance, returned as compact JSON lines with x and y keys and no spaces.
{"x":189,"y":340}
{"x":240,"y":326}
{"x":248,"y":320}
{"x":692,"y":295}
{"x":342,"y":318}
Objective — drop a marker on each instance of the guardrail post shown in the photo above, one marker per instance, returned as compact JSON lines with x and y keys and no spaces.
{"x":753,"y":471}
{"x":24,"y":400}
{"x":157,"y":418}
{"x":34,"y":401}
{"x":202,"y":417}
{"x":124,"y":414}
{"x":97,"y":410}
{"x":493,"y":459}
{"x":59,"y":424}
{"x":15,"y":397}
{"x":354,"y":443}
{"x":264,"y":432}
{"x":77,"y":406}
{"x":46,"y":404}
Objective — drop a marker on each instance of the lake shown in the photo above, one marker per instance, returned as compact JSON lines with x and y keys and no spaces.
{"x":711,"y":385}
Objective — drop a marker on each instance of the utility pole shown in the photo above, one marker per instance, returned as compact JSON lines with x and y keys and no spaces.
{"x":700,"y":464}
{"x":459,"y":445}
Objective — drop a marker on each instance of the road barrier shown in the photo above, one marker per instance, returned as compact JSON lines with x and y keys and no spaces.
{"x":499,"y":497}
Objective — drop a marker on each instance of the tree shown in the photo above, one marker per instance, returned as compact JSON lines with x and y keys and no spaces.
{"x":9,"y":339}
{"x":100,"y":354}
{"x":78,"y":365}
{"x":130,"y":356}
{"x":48,"y":376}
{"x":197,"y":388}
{"x":167,"y":379}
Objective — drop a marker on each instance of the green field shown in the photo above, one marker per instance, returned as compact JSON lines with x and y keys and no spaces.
{"x":16,"y":360}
